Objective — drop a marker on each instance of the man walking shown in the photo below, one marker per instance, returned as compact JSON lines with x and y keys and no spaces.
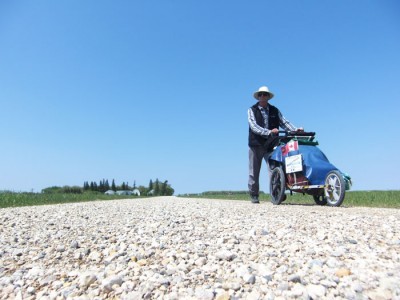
{"x":264,"y":122}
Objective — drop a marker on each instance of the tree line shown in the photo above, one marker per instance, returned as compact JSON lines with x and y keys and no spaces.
{"x":156,"y":188}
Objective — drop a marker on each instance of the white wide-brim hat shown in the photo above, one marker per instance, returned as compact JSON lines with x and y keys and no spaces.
{"x":265,"y":90}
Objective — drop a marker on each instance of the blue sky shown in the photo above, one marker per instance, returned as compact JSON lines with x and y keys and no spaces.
{"x":140,"y":90}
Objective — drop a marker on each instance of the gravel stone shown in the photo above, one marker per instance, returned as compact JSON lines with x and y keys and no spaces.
{"x":181,"y":248}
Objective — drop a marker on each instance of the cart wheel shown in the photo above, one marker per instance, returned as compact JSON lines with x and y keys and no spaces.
{"x":277,"y":186}
{"x":320,"y":200}
{"x":334,"y":188}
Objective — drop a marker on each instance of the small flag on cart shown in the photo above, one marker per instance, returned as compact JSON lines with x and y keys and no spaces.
{"x":290,"y":146}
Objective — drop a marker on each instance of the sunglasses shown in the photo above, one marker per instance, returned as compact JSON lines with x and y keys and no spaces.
{"x":262,"y":94}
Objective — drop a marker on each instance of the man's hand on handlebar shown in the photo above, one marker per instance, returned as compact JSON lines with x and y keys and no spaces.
{"x":300,"y":129}
{"x":275,"y":131}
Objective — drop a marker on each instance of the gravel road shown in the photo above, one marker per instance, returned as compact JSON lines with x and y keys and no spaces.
{"x":178,"y":248}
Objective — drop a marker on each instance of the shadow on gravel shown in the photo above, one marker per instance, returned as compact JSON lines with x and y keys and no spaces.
{"x":299,"y":204}
{"x":311,"y":204}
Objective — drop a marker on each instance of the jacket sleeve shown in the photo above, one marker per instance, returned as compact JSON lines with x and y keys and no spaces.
{"x":257,"y":129}
{"x":285,"y":124}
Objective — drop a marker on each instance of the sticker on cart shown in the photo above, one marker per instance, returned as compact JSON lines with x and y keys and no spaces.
{"x":294,"y":163}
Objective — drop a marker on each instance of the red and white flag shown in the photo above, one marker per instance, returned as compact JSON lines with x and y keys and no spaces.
{"x":291,"y":146}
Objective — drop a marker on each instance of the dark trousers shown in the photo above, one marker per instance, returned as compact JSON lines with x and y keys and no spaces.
{"x":256,"y":156}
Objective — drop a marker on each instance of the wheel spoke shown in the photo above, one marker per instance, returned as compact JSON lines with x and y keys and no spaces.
{"x":332,"y":193}
{"x":273,"y":190}
{"x":335,"y":194}
{"x":333,"y":180}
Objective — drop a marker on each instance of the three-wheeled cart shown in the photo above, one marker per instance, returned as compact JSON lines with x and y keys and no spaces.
{"x":298,"y":165}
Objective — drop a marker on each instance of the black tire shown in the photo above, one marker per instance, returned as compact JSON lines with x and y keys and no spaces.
{"x":335,"y":188}
{"x":320,"y":200}
{"x":277,"y":186}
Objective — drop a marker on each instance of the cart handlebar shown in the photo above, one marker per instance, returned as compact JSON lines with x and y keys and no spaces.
{"x":286,"y":136}
{"x":296,"y":133}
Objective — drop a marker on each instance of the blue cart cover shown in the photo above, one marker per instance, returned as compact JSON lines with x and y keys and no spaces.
{"x":315,"y":164}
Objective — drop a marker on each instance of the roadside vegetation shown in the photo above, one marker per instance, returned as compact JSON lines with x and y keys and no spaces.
{"x":156,"y":188}
{"x":89,"y":192}
{"x":11,"y":199}
{"x":385,"y":199}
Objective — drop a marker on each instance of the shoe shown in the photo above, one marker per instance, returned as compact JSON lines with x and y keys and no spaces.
{"x":254,"y":199}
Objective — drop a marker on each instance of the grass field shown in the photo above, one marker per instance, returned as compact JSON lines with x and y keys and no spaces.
{"x":9,"y":199}
{"x":388,"y":199}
